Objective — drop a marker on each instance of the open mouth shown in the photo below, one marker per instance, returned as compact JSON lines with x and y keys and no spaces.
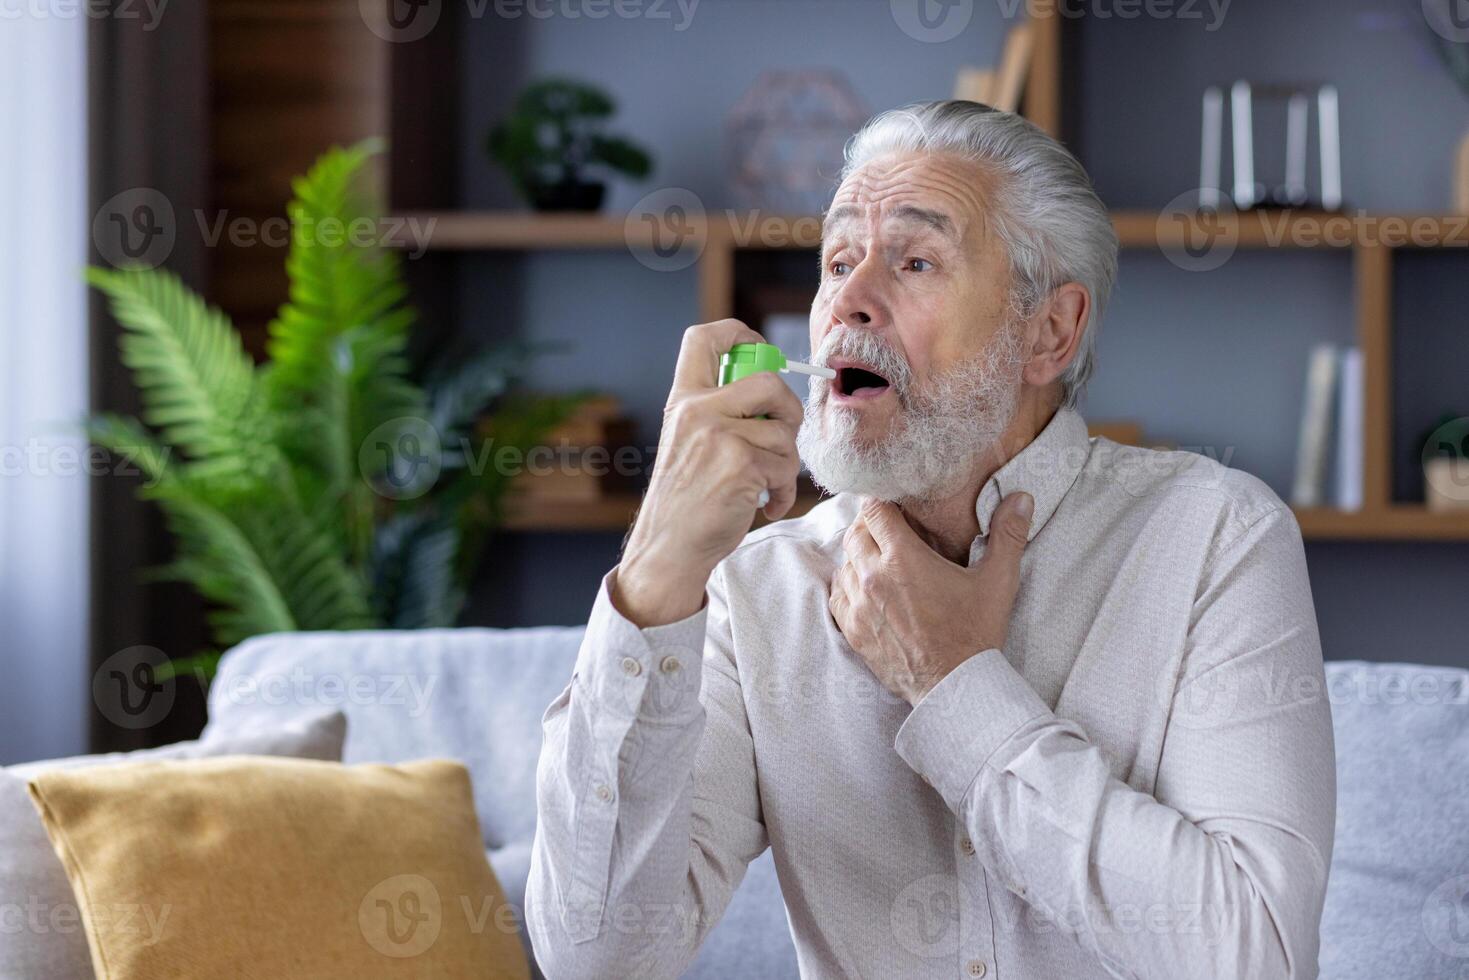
{"x":859,"y":382}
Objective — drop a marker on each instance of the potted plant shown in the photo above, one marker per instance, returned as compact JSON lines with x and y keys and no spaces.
{"x":328,"y":488}
{"x":552,"y":140}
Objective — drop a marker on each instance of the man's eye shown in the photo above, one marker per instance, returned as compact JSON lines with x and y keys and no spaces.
{"x":840,"y":268}
{"x":918,"y":265}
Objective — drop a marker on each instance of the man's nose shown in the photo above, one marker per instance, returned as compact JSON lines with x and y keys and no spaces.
{"x":859,"y":303}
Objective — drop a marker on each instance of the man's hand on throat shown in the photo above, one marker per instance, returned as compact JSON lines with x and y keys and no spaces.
{"x":911,"y":614}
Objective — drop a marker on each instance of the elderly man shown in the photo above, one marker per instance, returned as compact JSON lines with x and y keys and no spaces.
{"x":1014,"y":703}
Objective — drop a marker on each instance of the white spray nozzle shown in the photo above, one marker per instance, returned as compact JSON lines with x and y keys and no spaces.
{"x":811,"y":369}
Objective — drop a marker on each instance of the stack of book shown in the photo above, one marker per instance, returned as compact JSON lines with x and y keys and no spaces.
{"x":1331,"y":431}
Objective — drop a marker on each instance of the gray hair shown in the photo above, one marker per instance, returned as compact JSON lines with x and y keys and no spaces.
{"x":1054,"y":227}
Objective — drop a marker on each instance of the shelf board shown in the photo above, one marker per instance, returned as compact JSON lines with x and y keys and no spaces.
{"x":1293,"y":229}
{"x":521,"y":230}
{"x":759,"y":231}
{"x":1399,"y":523}
{"x":1404,"y":523}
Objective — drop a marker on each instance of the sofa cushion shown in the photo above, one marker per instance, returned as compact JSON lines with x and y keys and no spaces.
{"x":41,"y":931}
{"x":1397,"y":902}
{"x":271,"y":867}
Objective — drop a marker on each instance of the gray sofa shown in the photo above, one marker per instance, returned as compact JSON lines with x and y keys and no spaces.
{"x":1397,"y":906}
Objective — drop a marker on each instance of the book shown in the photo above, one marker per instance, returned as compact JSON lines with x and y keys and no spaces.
{"x":1315,"y":433}
{"x":1349,"y":409}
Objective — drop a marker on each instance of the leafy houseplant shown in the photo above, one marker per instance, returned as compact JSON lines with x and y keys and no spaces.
{"x":553,"y":136}
{"x":283,"y":483}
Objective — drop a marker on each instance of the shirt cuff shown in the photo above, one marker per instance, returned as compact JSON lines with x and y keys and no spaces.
{"x":634,"y":672}
{"x":955,"y":728}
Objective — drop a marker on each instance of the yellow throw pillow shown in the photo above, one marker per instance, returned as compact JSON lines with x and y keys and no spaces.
{"x":247,"y":866}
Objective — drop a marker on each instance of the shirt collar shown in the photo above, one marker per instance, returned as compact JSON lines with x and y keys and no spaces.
{"x":1045,"y":469}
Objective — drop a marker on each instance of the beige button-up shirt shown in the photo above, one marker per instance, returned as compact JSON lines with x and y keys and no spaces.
{"x":1140,"y":784}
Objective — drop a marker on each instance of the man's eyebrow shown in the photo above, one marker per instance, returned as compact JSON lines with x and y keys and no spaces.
{"x":937,"y":220}
{"x":837,"y":216}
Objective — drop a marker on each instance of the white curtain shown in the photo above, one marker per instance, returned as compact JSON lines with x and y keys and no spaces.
{"x":45,"y":686}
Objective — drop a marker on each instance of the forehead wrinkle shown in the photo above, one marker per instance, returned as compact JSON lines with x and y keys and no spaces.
{"x":892,"y":184}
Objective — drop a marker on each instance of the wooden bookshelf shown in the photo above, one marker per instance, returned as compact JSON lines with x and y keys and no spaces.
{"x":720,"y":236}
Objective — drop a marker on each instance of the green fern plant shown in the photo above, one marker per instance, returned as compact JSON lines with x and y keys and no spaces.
{"x":280,"y":482}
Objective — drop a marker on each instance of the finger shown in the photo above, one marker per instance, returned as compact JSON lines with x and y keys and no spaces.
{"x":1009,"y":531}
{"x":760,"y":470}
{"x":889,"y":528}
{"x":762,"y":393}
{"x":840,"y":601}
{"x":768,"y":434}
{"x":859,"y":544}
{"x":698,"y":355}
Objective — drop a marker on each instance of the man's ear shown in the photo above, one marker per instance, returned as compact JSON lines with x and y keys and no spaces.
{"x":1059,"y":328}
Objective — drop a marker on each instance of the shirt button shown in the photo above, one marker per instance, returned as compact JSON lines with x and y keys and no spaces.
{"x":669,"y":665}
{"x":967,"y":846}
{"x":976,"y":968}
{"x":631,"y":667}
{"x":604,"y":793}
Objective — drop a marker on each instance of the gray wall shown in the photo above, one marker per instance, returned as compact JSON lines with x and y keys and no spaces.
{"x":1202,"y":359}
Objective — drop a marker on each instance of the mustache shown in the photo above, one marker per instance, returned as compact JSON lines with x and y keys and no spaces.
{"x":870,"y":349}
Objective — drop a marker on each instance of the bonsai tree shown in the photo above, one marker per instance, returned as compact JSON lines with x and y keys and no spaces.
{"x":325,"y":489}
{"x":554,"y":137}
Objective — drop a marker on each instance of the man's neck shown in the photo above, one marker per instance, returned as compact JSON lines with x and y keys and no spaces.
{"x":949,"y":524}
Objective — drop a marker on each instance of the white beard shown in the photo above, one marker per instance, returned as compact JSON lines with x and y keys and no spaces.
{"x":941,"y":430}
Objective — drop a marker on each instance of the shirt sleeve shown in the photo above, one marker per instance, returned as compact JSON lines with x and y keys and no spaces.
{"x":648,"y":809}
{"x":1222,"y":872}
